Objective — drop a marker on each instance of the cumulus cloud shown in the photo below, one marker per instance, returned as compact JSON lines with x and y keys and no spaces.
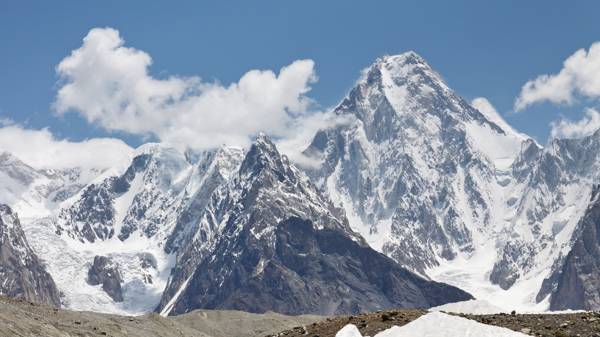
{"x":587,"y":125}
{"x":580,"y":75}
{"x":40,"y":149}
{"x":109,"y":84}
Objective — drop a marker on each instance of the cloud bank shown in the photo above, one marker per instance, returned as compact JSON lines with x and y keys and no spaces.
{"x":586,"y":126}
{"x":580,"y":75}
{"x":41,"y":150}
{"x":109,"y":84}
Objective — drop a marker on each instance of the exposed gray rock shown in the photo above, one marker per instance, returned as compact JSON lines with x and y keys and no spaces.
{"x":22,"y":274}
{"x":106,"y":272}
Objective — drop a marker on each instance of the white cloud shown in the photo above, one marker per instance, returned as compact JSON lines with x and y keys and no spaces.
{"x":306,"y":128}
{"x":587,"y":125}
{"x":580,"y":75}
{"x":485,"y":106}
{"x":489,"y":111}
{"x":109,"y":84}
{"x":40,"y":149}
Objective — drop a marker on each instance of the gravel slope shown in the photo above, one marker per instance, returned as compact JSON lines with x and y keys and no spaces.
{"x":19,"y":318}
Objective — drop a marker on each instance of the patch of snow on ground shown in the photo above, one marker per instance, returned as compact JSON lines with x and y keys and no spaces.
{"x":349,"y":330}
{"x":437,"y":324}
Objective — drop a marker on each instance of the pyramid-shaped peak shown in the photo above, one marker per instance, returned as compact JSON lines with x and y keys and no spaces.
{"x":265,"y":146}
{"x":409,"y":67}
{"x":264,"y":158}
{"x":406,"y":69}
{"x":409,"y":57}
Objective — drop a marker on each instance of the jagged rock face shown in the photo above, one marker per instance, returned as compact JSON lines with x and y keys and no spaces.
{"x":270,"y":241}
{"x":21,"y":272}
{"x":578,"y":283}
{"x":409,"y":163}
{"x":106,"y":272}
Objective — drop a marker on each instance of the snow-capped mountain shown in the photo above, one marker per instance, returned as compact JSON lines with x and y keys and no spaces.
{"x":411,"y":169}
{"x":450,"y":192}
{"x":129,"y":226}
{"x":416,"y":161}
{"x":269,"y":240}
{"x":22,"y":273}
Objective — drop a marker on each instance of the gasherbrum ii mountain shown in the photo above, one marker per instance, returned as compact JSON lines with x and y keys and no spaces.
{"x":411,"y":189}
{"x":22,"y":274}
{"x":270,"y":241}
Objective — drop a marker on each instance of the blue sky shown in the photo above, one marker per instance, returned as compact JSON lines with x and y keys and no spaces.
{"x":481,"y":48}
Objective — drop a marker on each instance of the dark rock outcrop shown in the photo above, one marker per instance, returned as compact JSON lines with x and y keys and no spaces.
{"x":106,"y":272}
{"x":22,"y":274}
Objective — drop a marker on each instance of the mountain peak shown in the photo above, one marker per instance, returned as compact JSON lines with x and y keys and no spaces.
{"x":264,"y":141}
{"x":263,"y":154}
{"x":407,"y":68}
{"x":409,"y":57}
